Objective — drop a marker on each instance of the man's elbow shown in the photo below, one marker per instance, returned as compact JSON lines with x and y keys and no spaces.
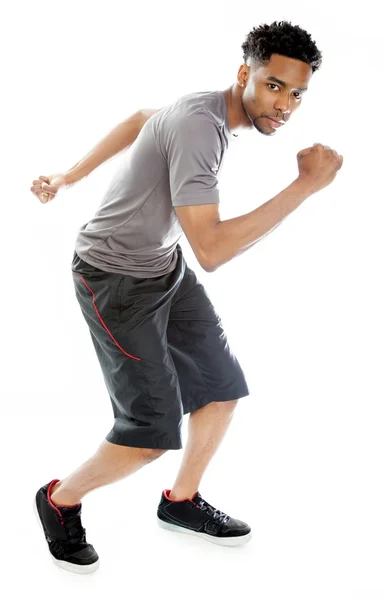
{"x":209,"y":268}
{"x":207,"y":262}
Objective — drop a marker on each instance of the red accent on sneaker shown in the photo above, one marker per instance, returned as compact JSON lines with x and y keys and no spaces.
{"x":52,"y":483}
{"x":167,"y":496}
{"x":99,"y":316}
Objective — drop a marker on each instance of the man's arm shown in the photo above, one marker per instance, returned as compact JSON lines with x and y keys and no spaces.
{"x":193,"y":150}
{"x":118,"y":139}
{"x":215,"y":242}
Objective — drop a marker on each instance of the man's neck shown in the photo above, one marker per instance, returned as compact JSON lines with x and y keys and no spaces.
{"x":237,"y":118}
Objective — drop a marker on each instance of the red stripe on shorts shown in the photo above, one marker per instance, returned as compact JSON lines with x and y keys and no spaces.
{"x":103,"y":324}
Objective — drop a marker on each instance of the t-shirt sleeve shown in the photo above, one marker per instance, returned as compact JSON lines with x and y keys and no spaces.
{"x":194,"y":152}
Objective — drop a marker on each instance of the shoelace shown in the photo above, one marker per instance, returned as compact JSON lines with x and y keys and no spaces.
{"x":75,"y":532}
{"x":73,"y":528}
{"x":214,"y":512}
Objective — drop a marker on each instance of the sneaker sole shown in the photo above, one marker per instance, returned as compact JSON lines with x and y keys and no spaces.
{"x":229,"y":541}
{"x":79,"y":569}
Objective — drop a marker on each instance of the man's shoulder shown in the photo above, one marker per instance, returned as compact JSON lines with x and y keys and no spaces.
{"x":198,"y":107}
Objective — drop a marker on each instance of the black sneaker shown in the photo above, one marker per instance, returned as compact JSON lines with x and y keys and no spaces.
{"x":197,"y":517}
{"x":64,"y":533}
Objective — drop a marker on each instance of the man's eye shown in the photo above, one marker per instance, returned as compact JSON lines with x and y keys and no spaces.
{"x":295,"y":93}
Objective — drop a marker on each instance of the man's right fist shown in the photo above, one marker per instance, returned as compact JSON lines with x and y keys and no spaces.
{"x":318,"y":166}
{"x":46,"y":188}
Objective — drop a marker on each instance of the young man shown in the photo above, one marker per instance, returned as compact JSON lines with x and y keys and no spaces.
{"x":160,"y":343}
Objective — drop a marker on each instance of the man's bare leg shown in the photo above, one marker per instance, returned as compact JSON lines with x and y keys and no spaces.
{"x":110,"y":463}
{"x":207,"y":427}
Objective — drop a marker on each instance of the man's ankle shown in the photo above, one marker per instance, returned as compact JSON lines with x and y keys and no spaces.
{"x":180,"y":495}
{"x":60,"y":498}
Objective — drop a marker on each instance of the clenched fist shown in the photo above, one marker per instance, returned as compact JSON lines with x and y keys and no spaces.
{"x":46,"y":188}
{"x":318,"y":166}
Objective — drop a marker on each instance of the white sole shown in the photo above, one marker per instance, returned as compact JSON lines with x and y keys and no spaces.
{"x":79,"y":569}
{"x":233,"y":541}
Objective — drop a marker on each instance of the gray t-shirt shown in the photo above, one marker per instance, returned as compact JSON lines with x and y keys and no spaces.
{"x":174,"y":161}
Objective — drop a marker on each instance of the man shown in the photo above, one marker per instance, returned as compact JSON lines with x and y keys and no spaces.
{"x":160,"y":343}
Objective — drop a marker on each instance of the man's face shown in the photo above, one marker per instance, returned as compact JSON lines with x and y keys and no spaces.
{"x":264,"y":97}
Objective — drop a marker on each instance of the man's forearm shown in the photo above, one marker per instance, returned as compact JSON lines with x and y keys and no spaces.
{"x":118,"y":139}
{"x":233,"y":236}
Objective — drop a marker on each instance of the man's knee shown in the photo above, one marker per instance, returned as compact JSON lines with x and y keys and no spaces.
{"x":227,"y":407}
{"x":230,"y":405}
{"x":151,"y":454}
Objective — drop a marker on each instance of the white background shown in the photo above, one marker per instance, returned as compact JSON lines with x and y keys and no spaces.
{"x":302,"y":461}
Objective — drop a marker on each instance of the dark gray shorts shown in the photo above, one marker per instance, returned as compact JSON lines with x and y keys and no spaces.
{"x":162,"y":350}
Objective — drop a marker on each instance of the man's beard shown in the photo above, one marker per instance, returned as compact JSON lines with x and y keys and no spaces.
{"x":254,"y":122}
{"x":257,"y":127}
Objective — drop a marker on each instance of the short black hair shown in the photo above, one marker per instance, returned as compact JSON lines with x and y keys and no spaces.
{"x":281,"y":37}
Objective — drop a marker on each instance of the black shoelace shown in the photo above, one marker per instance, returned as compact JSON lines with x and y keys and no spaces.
{"x":74,"y":530}
{"x":75,"y":533}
